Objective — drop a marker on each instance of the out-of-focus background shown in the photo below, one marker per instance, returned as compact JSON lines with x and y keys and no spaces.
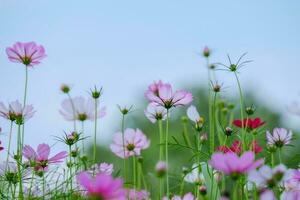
{"x":126,"y":45}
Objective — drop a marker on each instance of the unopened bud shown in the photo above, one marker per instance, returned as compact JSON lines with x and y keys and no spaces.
{"x":228,"y":131}
{"x":65,"y":88}
{"x":203,"y":190}
{"x":206,"y":52}
{"x":161,"y":169}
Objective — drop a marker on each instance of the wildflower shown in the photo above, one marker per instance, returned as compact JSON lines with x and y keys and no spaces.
{"x":84,"y":109}
{"x":266,"y":177}
{"x":228,"y":131}
{"x":154,"y":89}
{"x":155,"y":112}
{"x":237,"y":147}
{"x":102,"y":186}
{"x":28,"y":53}
{"x":65,"y":88}
{"x":203,"y":138}
{"x":134,"y":142}
{"x":9,"y":172}
{"x":293,"y":180}
{"x":250,"y":110}
{"x":279,"y":137}
{"x":161,"y":169}
{"x":233,"y":67}
{"x":167,"y":98}
{"x":194,"y":116}
{"x":104,"y":168}
{"x":16,"y":112}
{"x":206,"y":52}
{"x":203,"y":190}
{"x":230,"y":163}
{"x":138,"y":195}
{"x":249,"y":123}
{"x":39,"y":159}
{"x":194,"y":176}
{"x":290,"y":195}
{"x":267,"y":195}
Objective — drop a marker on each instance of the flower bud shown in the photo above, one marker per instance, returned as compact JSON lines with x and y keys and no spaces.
{"x":184,"y":119}
{"x":212,"y":66}
{"x":250,"y":110}
{"x":206,"y":52}
{"x":65,"y":88}
{"x":216,"y":88}
{"x":231,"y":106}
{"x":161,"y":169}
{"x":203,"y":190}
{"x":233,"y":67}
{"x":140,"y":159}
{"x":203,"y":138}
{"x":96,"y":93}
{"x":228,"y":131}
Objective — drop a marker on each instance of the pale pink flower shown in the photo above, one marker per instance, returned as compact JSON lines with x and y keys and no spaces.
{"x":102,"y":186}
{"x":138,"y":195}
{"x":16,"y":112}
{"x":267,"y":195}
{"x":231,"y":163}
{"x":84,"y":109}
{"x":134,"y":142}
{"x":279,"y":137}
{"x":290,"y":195}
{"x":293,"y":180}
{"x":27,"y":53}
{"x":193,"y":114}
{"x":40,"y":159}
{"x":161,"y":168}
{"x":167,"y":98}
{"x":104,"y":168}
{"x":154,"y":87}
{"x":155,"y":112}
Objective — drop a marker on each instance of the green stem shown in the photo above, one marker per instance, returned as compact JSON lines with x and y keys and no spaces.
{"x":123,"y":144}
{"x":9,"y":143}
{"x":95,"y":133}
{"x":24,"y":104}
{"x":167,"y":153}
{"x":134,"y":175}
{"x":272,"y":159}
{"x":70,"y":169}
{"x":82,"y":132}
{"x":241,"y":110}
{"x":30,"y":185}
{"x":161,"y":138}
{"x":185,"y":135}
{"x":279,"y":155}
{"x":212,"y":130}
{"x":44,"y":186}
{"x":19,"y":155}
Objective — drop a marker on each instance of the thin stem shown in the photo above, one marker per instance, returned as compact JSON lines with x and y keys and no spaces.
{"x":279,"y":155}
{"x":70,"y":169}
{"x":19,"y":155}
{"x":30,"y":185}
{"x":242,"y":111}
{"x":95,"y":133}
{"x":44,"y":186}
{"x":24,"y":104}
{"x":272,"y":159}
{"x":167,"y":153}
{"x":134,"y":175}
{"x":185,"y":135}
{"x":161,"y":150}
{"x":212,"y":130}
{"x":82,"y":132}
{"x":9,"y":143}
{"x":123,"y":144}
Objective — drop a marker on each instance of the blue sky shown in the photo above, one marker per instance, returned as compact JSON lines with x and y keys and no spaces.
{"x":125,"y":45}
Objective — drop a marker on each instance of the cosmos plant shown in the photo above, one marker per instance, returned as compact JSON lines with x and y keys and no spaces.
{"x":230,"y":155}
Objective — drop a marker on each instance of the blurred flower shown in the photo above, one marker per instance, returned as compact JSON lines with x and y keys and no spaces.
{"x":279,"y":137}
{"x":230,"y":163}
{"x":16,"y":112}
{"x":187,"y":196}
{"x":154,"y":88}
{"x":102,"y":187}
{"x":1,"y":147}
{"x":267,"y":195}
{"x":39,"y":159}
{"x":103,"y":168}
{"x":266,"y":177}
{"x":125,"y":110}
{"x":138,"y":195}
{"x":9,"y":172}
{"x":255,"y":147}
{"x":290,"y":195}
{"x":237,"y":147}
{"x":195,"y":176}
{"x":250,"y":123}
{"x":206,"y":52}
{"x":161,"y":168}
{"x":194,"y":116}
{"x":134,"y":142}
{"x":203,"y":190}
{"x":84,"y":109}
{"x":167,"y":98}
{"x":293,"y":180}
{"x":65,"y":88}
{"x":155,"y":112}
{"x":28,"y":53}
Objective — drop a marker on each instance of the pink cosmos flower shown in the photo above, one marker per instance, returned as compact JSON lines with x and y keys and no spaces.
{"x":155,"y":112}
{"x":84,"y":109}
{"x":16,"y":112}
{"x":165,"y":96}
{"x":40,"y":159}
{"x":230,"y":163}
{"x":267,"y":195}
{"x":290,"y":195}
{"x":27,"y":53}
{"x":154,"y":87}
{"x":279,"y":137}
{"x":102,"y":187}
{"x":138,"y":195}
{"x":104,"y":168}
{"x":134,"y":142}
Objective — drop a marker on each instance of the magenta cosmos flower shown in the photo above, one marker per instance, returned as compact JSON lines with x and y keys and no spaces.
{"x":40,"y":159}
{"x":231,"y":164}
{"x":164,"y":96}
{"x":155,"y":112}
{"x":27,"y":53}
{"x":134,"y":142}
{"x":16,"y":112}
{"x":102,"y":187}
{"x":80,"y":109}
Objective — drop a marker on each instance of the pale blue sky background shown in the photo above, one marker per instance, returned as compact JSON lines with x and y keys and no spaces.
{"x":125,"y":45}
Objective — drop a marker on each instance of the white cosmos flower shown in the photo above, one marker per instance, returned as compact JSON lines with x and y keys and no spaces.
{"x":193,"y":114}
{"x":194,"y":176}
{"x":279,"y":137}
